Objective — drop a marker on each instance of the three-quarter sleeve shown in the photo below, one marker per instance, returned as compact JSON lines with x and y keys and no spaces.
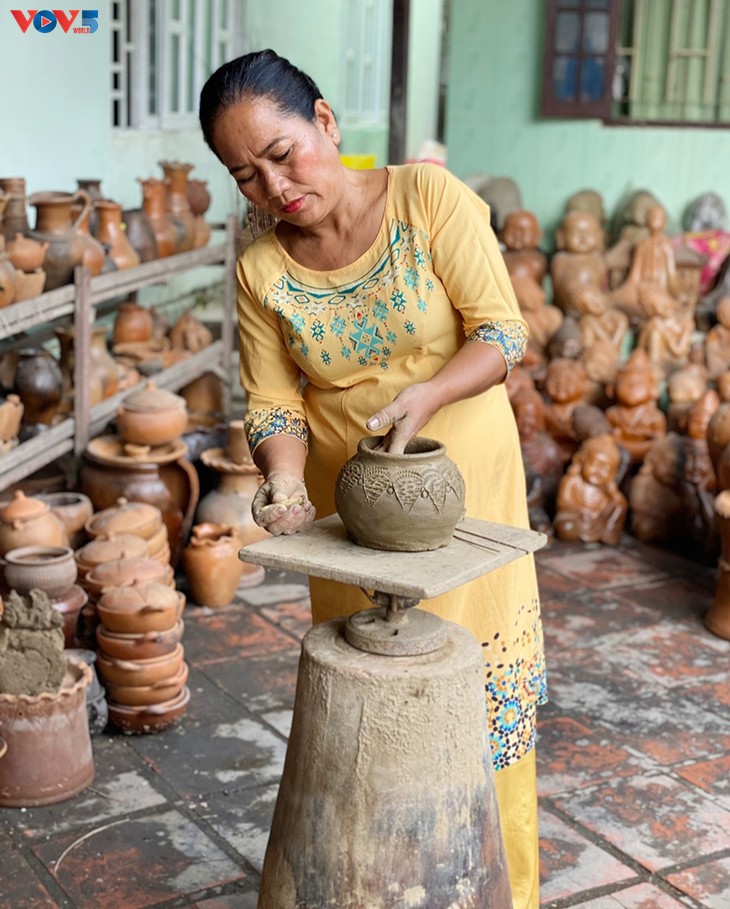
{"x":269,"y":375}
{"x":467,"y":259}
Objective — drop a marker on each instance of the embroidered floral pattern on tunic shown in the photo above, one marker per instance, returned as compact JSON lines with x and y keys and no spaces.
{"x":508,"y":336}
{"x":275,"y":421}
{"x":514,"y":690}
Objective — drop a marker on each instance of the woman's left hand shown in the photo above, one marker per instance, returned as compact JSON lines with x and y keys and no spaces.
{"x":407,"y":413}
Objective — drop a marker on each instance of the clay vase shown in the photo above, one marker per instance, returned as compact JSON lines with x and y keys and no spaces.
{"x":39,"y":385}
{"x":153,"y":205}
{"x":111,"y":232}
{"x":198,"y":196}
{"x":48,"y":757}
{"x":94,"y":255}
{"x":103,"y":379}
{"x":133,"y":323}
{"x":176,"y":201}
{"x":408,"y":502}
{"x":55,"y":225}
{"x":25,"y":253}
{"x":27,"y":521}
{"x":15,"y":217}
{"x":140,"y":234}
{"x":212,"y":566}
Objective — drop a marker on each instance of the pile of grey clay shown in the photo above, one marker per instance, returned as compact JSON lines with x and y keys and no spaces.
{"x":31,"y":645}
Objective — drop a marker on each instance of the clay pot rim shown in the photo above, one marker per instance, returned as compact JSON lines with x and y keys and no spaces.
{"x":218,"y":459}
{"x":139,"y":710}
{"x":21,"y":555}
{"x":81,"y":670}
{"x":418,"y":446}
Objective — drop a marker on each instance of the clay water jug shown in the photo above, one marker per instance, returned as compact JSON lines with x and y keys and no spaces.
{"x":54,"y":224}
{"x":212,"y":566}
{"x":15,"y":217}
{"x":176,"y":201}
{"x":92,"y":186}
{"x":94,"y":255}
{"x":111,"y":232}
{"x":153,"y":205}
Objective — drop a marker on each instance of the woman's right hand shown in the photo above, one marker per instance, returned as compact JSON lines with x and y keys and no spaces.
{"x":282,"y":504}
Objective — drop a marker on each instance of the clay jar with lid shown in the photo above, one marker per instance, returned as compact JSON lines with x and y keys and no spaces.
{"x":48,"y":568}
{"x":27,"y":521}
{"x":127,"y":573}
{"x":140,"y":608}
{"x":408,"y":502}
{"x":108,"y":548}
{"x":212,"y":566}
{"x":152,"y":416}
{"x":144,"y":646}
{"x":138,"y":518}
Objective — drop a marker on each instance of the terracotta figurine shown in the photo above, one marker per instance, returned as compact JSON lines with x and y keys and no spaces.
{"x":717,"y":342}
{"x":526,"y":263}
{"x":579,"y":259}
{"x":666,"y":336}
{"x":636,"y":417}
{"x":655,"y":496}
{"x":566,"y":386}
{"x":539,"y":450}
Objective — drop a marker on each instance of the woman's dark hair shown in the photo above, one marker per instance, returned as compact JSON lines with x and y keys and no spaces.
{"x":262,"y":74}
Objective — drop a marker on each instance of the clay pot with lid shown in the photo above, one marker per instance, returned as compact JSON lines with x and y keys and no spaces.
{"x":212,"y":566}
{"x":108,"y":548}
{"x":127,"y":573}
{"x":408,"y":502}
{"x":144,"y":646}
{"x":140,"y":608}
{"x":152,"y":416}
{"x":55,"y":225}
{"x":150,"y":718}
{"x":27,"y":521}
{"x":25,"y":253}
{"x":48,"y":568}
{"x":124,"y":516}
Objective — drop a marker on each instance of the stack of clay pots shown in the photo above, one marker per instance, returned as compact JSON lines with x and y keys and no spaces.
{"x":137,"y":518}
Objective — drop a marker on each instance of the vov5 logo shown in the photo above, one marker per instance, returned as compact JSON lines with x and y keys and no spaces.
{"x":46,"y":20}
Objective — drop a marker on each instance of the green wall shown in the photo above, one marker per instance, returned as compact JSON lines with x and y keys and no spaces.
{"x":493,"y":125}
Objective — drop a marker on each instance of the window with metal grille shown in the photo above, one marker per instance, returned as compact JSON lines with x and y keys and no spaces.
{"x":366,"y":57}
{"x":161,"y":54}
{"x":638,"y":61}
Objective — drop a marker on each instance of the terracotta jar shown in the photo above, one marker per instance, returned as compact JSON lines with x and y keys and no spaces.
{"x":407,"y":502}
{"x":11,"y":415}
{"x":230,"y":501}
{"x":94,"y":255}
{"x":164,"y":479}
{"x":29,"y":284}
{"x":54,"y":225}
{"x":176,"y":202}
{"x":132,"y":324}
{"x":198,"y":196}
{"x":152,"y":416}
{"x":153,"y":205}
{"x":140,"y":608}
{"x":48,"y":568}
{"x":26,"y":521}
{"x":48,"y":757}
{"x":25,"y":253}
{"x":212,"y":566}
{"x":111,"y":232}
{"x":103,"y":378}
{"x":73,"y":509}
{"x":108,"y":548}
{"x":7,"y":278}
{"x":15,"y":217}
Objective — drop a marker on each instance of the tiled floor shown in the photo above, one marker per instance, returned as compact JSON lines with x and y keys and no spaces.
{"x":633,"y":752}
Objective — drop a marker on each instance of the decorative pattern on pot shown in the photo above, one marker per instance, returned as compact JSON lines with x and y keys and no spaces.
{"x":407,"y":502}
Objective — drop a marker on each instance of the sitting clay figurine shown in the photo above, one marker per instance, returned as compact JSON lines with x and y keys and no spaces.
{"x":699,"y":483}
{"x":655,"y":494}
{"x":666,"y":336}
{"x":526,"y":262}
{"x":717,"y":342}
{"x":566,"y":387}
{"x":684,"y":388}
{"x":652,"y":278}
{"x":579,"y":259}
{"x":590,"y":506}
{"x":636,"y":417}
{"x":588,"y":200}
{"x":543,"y":320}
{"x":540,"y":452}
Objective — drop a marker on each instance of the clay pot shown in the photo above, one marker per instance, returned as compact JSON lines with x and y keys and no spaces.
{"x":138,"y":518}
{"x":153,"y":205}
{"x":48,"y":757}
{"x":7,"y":278}
{"x":29,"y":284}
{"x":145,"y":646}
{"x":39,"y":385}
{"x":103,"y":379}
{"x":151,"y":416}
{"x":25,"y":521}
{"x":48,"y":568}
{"x":140,"y":234}
{"x":158,"y":692}
{"x":150,"y":718}
{"x":133,"y":324}
{"x":55,"y":226}
{"x":198,"y":196}
{"x":25,"y":253}
{"x":407,"y":502}
{"x":11,"y":415}
{"x":201,"y":233}
{"x":230,"y":501}
{"x":189,"y":333}
{"x":111,"y":232}
{"x":69,"y":604}
{"x":176,"y":202}
{"x":212,"y":566}
{"x":94,"y":255}
{"x":116,"y":671}
{"x":15,"y":217}
{"x":140,"y":608}
{"x":127,"y":573}
{"x":109,"y":548}
{"x":73,"y":509}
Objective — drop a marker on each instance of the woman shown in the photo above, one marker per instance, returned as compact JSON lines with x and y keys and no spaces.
{"x":386,"y":291}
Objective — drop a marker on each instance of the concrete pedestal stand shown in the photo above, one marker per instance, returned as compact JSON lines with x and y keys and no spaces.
{"x":387,"y":797}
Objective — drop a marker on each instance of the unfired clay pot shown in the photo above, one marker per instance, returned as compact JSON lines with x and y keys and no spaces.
{"x":212,"y":566}
{"x":407,"y":502}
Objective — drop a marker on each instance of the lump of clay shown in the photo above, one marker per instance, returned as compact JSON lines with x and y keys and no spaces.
{"x":31,"y":645}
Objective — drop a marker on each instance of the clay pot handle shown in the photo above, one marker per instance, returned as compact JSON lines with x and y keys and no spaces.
{"x":3,"y":747}
{"x":84,"y":197}
{"x":194,"y":480}
{"x":163,"y":683}
{"x":125,"y":664}
{"x":152,"y":608}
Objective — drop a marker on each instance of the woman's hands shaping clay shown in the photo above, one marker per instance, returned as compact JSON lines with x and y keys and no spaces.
{"x":282,"y":504}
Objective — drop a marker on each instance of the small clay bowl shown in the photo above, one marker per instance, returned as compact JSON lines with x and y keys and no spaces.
{"x":157,"y":693}
{"x":140,"y":608}
{"x":114,"y":671}
{"x":145,"y":646}
{"x":125,"y":573}
{"x":48,"y":568}
{"x":69,"y":604}
{"x":151,"y":718}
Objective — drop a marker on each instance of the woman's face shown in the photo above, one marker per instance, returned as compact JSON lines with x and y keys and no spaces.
{"x":286,"y":165}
